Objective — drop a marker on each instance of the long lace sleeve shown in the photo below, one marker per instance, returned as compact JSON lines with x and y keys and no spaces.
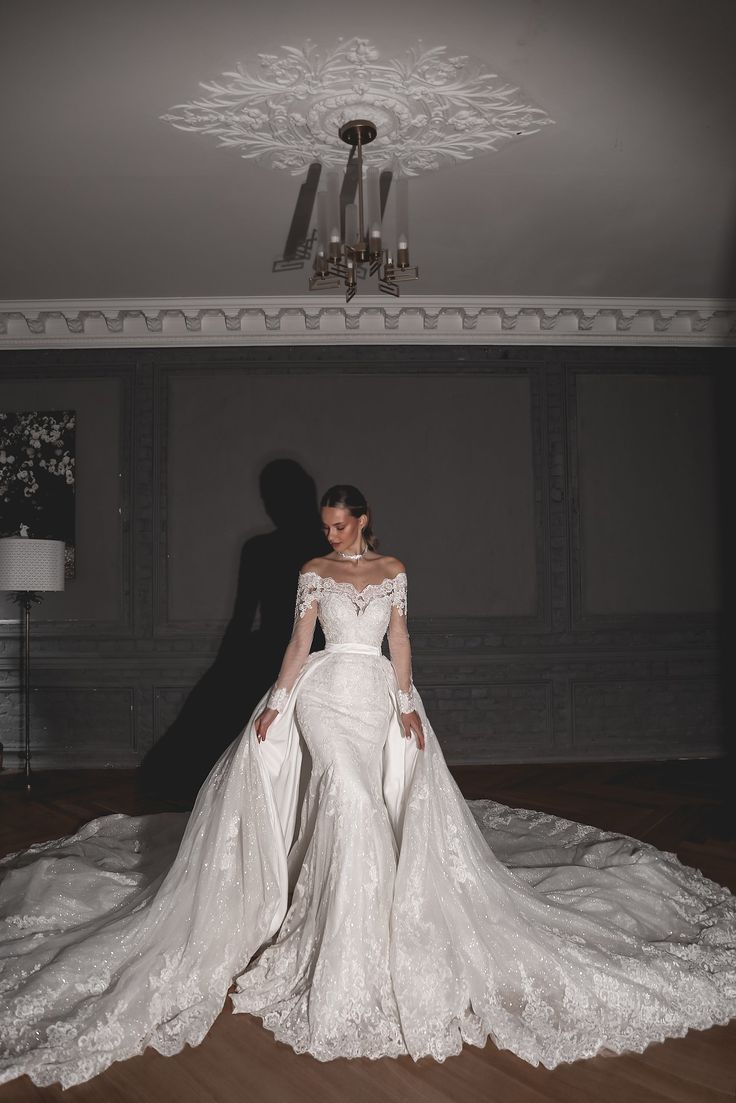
{"x":399,"y":645}
{"x":297,"y":649}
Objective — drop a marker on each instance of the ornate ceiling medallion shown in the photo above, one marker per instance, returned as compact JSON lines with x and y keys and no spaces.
{"x":430,"y":110}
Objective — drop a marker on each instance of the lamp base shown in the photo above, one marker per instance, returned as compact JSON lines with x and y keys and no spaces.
{"x":17,"y":780}
{"x":26,"y":599}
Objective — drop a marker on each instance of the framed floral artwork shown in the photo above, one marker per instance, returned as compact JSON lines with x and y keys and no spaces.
{"x":38,"y":477}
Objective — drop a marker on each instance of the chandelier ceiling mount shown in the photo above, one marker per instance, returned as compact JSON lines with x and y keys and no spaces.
{"x":358,"y":132}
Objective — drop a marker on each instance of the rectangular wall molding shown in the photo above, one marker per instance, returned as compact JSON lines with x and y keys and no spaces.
{"x":72,"y":726}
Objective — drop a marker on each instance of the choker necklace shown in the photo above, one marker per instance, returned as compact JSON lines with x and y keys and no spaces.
{"x":356,"y":555}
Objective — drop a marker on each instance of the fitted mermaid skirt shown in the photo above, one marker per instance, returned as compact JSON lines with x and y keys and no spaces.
{"x":360,"y":906}
{"x":325,"y":985}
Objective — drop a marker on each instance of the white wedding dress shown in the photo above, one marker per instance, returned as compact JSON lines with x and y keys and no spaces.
{"x":359,"y":904}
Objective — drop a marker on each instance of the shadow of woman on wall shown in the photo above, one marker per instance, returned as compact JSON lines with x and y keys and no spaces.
{"x":249,"y":656}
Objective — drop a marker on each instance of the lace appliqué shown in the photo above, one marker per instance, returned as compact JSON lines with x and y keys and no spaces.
{"x":311,"y":585}
{"x":307,"y":589}
{"x":398,"y":595}
{"x":277,"y":698}
{"x":407,"y":700}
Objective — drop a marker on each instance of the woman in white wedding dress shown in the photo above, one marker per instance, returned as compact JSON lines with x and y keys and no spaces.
{"x":333,"y":873}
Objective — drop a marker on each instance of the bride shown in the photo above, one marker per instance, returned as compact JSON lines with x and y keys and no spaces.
{"x":332,"y":879}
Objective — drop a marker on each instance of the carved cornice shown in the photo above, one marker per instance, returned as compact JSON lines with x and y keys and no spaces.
{"x":432,"y":320}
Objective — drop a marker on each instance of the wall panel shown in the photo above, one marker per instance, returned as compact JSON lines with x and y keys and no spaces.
{"x":503,"y":718}
{"x":446,"y":458}
{"x":647,"y":718}
{"x":645,"y":467}
{"x":72,"y":726}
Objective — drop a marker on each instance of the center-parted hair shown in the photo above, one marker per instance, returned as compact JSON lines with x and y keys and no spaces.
{"x":346,"y":496}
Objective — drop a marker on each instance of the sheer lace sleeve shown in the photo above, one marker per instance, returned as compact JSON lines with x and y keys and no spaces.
{"x":297,"y":649}
{"x":399,"y":645}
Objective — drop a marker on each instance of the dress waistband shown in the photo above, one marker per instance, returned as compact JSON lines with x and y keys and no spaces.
{"x":355,"y":648}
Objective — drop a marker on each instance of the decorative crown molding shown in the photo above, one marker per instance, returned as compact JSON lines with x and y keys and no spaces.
{"x":430,"y":109}
{"x":431,"y":320}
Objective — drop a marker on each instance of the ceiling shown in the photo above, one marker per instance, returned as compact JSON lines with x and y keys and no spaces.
{"x":631,"y":193}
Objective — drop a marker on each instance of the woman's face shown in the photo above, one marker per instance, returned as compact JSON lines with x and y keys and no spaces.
{"x":341,"y":529}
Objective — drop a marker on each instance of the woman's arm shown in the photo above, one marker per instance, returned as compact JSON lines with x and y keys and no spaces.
{"x":302,"y":634}
{"x":400,"y":650}
{"x":297,"y":649}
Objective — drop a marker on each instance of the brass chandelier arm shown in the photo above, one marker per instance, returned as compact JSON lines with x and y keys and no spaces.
{"x":362,"y":239}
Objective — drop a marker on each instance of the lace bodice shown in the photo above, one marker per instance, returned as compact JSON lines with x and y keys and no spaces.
{"x":348,"y":615}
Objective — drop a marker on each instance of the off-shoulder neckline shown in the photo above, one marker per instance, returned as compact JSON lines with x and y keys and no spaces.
{"x":344,"y":582}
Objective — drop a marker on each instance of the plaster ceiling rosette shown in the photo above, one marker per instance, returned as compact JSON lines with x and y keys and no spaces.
{"x":430,"y":110}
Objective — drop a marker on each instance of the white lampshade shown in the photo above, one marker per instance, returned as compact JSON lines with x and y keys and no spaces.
{"x":31,"y":564}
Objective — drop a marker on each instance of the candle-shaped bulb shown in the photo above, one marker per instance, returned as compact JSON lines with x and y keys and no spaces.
{"x":402,"y":253}
{"x":375,"y":240}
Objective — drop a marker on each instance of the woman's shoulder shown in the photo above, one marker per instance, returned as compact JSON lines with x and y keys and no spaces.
{"x":313,"y":566}
{"x":394,"y":565}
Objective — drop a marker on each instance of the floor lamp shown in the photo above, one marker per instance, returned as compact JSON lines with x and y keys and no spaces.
{"x":28,"y":568}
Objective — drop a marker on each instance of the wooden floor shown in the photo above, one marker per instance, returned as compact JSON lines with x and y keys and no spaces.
{"x":679,"y":806}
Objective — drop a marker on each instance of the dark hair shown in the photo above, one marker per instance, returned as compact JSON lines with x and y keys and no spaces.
{"x":345,"y":496}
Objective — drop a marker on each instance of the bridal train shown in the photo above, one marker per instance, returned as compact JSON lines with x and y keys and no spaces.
{"x":335,"y":875}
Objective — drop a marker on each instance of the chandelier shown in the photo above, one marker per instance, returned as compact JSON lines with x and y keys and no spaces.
{"x":348,"y":240}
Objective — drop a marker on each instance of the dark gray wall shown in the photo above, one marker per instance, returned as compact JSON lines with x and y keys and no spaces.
{"x":557,"y":510}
